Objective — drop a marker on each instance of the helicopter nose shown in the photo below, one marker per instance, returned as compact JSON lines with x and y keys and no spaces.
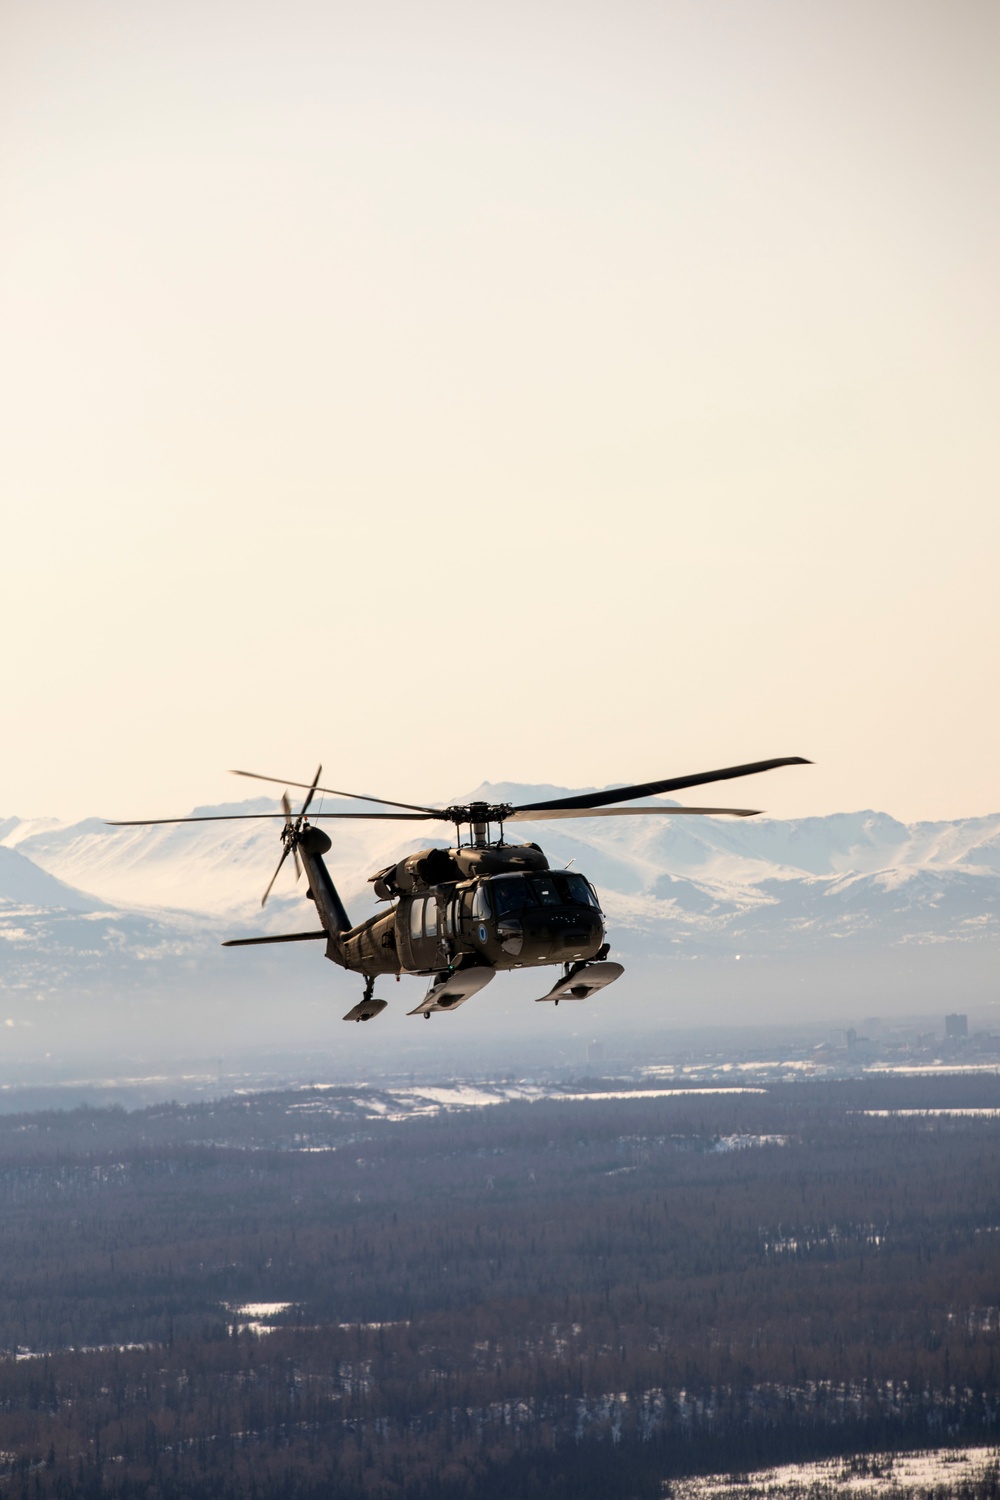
{"x":567,"y":934}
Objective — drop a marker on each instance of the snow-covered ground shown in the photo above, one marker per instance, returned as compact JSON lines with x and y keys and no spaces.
{"x":413,"y":1101}
{"x":868,"y":1475}
{"x":919,"y":1070}
{"x":893,"y":1113}
{"x":256,"y":1317}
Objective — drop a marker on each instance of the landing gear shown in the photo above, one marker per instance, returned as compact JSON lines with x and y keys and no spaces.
{"x":451,"y":988}
{"x":367,"y":1006}
{"x":582,"y":979}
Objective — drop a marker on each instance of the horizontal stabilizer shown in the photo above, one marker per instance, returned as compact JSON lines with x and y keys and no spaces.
{"x":583,"y":981}
{"x":286,"y":937}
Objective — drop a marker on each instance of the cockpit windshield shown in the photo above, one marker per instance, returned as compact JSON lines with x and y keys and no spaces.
{"x":512,"y":893}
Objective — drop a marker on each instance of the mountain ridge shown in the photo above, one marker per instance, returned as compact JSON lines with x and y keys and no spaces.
{"x":849,"y":904}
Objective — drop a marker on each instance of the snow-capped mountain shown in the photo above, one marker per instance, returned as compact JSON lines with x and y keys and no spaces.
{"x":737,"y":915}
{"x":217,"y":868}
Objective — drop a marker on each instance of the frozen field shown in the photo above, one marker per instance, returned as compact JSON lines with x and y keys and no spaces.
{"x":935,"y":1472}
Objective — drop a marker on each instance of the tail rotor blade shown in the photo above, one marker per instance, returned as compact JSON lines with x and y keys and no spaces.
{"x":284,"y":855}
{"x":311,"y":793}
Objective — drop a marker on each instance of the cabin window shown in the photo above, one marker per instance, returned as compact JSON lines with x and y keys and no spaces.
{"x":430,"y":918}
{"x":416,"y":919}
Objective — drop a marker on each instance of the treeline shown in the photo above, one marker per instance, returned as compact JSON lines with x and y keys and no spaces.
{"x":585,"y":1298}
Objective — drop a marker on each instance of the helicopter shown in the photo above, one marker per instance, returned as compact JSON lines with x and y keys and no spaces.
{"x":459,"y":915}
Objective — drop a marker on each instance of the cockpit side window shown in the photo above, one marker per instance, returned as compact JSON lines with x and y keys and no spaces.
{"x":480,"y":902}
{"x":579,"y":890}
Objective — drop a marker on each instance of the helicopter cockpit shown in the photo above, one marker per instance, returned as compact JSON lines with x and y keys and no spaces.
{"x":541,"y":916}
{"x":509,"y":895}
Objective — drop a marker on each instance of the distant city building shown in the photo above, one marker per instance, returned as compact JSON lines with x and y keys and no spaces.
{"x":862,"y":1047}
{"x":956,"y":1026}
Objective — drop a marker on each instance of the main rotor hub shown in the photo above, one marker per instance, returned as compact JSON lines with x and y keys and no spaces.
{"x":480,"y":815}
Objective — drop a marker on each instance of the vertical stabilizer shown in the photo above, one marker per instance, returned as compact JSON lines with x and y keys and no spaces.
{"x":313,"y":844}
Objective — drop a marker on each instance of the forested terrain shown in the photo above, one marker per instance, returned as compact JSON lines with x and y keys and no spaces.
{"x":585,"y":1297}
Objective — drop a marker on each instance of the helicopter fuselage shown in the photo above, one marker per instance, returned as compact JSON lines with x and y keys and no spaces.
{"x":495,"y":905}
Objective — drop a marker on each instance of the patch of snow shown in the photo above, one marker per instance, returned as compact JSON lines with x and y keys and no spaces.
{"x":748,"y":1142}
{"x":657,"y":1093}
{"x":867,"y":1475}
{"x":887,"y":1114}
{"x":254,"y":1317}
{"x":933,"y":1068}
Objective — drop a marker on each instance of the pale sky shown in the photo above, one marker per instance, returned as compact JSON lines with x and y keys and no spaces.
{"x":546,"y":392}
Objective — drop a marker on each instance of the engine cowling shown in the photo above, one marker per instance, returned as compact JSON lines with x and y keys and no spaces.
{"x":429,"y":868}
{"x":418,"y":872}
{"x":500,"y":859}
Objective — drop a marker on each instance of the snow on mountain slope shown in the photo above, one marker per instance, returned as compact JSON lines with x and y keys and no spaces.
{"x":107,"y":932}
{"x":740,"y":850}
{"x":22,"y":882}
{"x":56,"y":941}
{"x":218,"y":868}
{"x":844,"y":875}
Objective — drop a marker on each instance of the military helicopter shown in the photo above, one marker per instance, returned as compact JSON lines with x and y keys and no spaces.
{"x":461,"y":914}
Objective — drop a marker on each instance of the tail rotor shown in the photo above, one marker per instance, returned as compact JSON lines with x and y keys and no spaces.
{"x":291,"y":833}
{"x":287,"y":808}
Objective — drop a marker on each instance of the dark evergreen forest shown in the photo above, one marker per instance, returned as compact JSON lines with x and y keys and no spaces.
{"x":576,"y":1298}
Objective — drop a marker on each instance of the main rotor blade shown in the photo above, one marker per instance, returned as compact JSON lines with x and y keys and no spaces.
{"x":200,"y":818}
{"x":671,"y":784}
{"x":332,"y":791}
{"x":529,"y":816}
{"x":281,"y":861}
{"x":286,"y":937}
{"x":414,"y":817}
